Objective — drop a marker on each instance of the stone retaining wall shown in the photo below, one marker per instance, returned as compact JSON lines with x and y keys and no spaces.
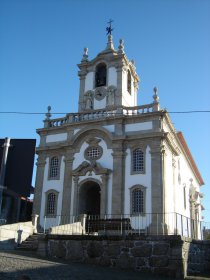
{"x":13,"y":234}
{"x":164,"y":255}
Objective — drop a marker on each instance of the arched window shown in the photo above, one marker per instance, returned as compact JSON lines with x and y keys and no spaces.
{"x":138,"y":161}
{"x":51,"y":203}
{"x":129,"y":82}
{"x":54,"y":168}
{"x":100,"y":76}
{"x":138,"y":194}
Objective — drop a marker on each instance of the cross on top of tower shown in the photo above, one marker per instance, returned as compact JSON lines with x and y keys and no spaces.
{"x":109,"y":28}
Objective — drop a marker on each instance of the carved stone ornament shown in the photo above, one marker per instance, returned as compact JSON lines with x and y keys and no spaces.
{"x":87,"y":167}
{"x":94,"y":151}
{"x":88,"y":100}
{"x":111,"y":95}
{"x":100,"y":93}
{"x":93,"y":141}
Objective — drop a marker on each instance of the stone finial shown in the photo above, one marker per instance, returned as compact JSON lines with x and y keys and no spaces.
{"x":48,"y":114}
{"x":121,"y":47}
{"x":155,"y":96}
{"x":156,"y":105}
{"x":133,"y":61}
{"x":110,"y":45}
{"x":85,"y":55}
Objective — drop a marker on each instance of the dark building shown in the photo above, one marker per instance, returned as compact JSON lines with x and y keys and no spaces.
{"x":16,"y":170}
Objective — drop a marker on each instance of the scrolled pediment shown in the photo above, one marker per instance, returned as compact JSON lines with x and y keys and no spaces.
{"x":90,"y":167}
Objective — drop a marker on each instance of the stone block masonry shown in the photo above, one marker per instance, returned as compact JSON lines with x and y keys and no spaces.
{"x":171,"y":256}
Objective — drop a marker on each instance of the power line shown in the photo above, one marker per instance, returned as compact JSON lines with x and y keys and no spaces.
{"x":64,"y":113}
{"x":189,"y":112}
{"x":30,"y":113}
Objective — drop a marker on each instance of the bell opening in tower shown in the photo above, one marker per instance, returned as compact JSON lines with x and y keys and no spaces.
{"x":100,"y":76}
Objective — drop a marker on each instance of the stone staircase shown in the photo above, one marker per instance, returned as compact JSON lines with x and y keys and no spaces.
{"x":30,"y":244}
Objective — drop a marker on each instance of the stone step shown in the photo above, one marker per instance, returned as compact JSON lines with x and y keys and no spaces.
{"x":31,"y":243}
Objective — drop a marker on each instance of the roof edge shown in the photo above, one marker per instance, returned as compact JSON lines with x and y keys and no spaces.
{"x":187,"y":151}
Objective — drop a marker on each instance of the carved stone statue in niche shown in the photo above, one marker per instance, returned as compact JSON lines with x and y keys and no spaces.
{"x":111,"y":95}
{"x":88,"y":100}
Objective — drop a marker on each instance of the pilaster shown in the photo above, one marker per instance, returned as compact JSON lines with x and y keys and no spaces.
{"x":104,"y":195}
{"x":76,"y":196}
{"x":82,"y":76}
{"x":118,"y":183}
{"x":41,"y":162}
{"x":67,"y":184}
{"x":119,"y":69}
{"x":158,"y":187}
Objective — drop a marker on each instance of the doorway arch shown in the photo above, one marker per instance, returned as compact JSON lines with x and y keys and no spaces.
{"x":89,"y":198}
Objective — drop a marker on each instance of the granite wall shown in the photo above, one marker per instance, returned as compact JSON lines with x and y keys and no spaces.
{"x":164,"y":255}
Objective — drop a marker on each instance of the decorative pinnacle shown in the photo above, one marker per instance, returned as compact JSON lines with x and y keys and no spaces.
{"x":110,"y":44}
{"x":155,"y":96}
{"x":48,"y":114}
{"x":121,"y":47}
{"x":156,"y":106}
{"x":85,"y":55}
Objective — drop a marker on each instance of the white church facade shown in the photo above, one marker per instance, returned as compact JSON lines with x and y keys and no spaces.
{"x":115,"y":158}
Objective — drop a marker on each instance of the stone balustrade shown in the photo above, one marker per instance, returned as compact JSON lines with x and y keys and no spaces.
{"x":100,"y":114}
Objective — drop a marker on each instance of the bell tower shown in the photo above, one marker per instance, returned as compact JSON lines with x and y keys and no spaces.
{"x":109,"y":80}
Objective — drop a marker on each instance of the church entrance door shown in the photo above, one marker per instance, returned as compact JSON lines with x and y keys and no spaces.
{"x":89,"y":198}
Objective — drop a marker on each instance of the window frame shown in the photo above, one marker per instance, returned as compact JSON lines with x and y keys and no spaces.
{"x":143,"y":150}
{"x":93,"y":147}
{"x":57,"y":177}
{"x":55,"y":193}
{"x":143,"y":190}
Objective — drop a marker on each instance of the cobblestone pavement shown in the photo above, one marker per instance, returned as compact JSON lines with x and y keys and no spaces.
{"x":14,"y":264}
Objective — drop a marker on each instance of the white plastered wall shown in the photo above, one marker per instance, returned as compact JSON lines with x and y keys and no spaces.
{"x":89,"y":81}
{"x":169,"y":184}
{"x":174,"y":188}
{"x":178,"y":175}
{"x":99,"y":104}
{"x":112,"y":77}
{"x":56,"y":185}
{"x":110,"y":128}
{"x":138,"y":126}
{"x":56,"y":137}
{"x":128,"y":100}
{"x":138,"y":179}
{"x":139,"y":222}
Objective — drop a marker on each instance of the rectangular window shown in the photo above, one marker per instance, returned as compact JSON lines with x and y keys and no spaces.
{"x":138,"y":161}
{"x":54,"y":168}
{"x":137,"y":201}
{"x":51,"y":203}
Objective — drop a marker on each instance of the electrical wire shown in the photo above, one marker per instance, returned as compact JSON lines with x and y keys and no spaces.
{"x":63,"y":113}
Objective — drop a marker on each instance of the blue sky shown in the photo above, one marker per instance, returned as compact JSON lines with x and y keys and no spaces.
{"x":41,"y":43}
